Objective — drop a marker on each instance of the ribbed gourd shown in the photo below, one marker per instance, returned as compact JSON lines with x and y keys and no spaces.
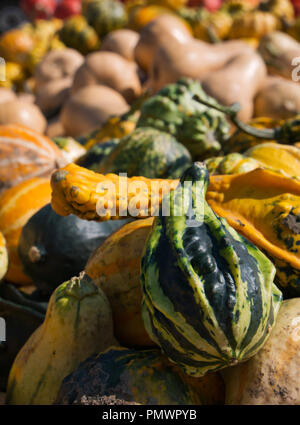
{"x":147,"y":152}
{"x":105,"y":16}
{"x":209,"y":300}
{"x":178,"y":110}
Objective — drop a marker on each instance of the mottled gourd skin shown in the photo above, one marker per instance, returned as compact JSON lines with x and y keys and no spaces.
{"x":95,"y":155}
{"x":209,"y":299}
{"x":147,"y":152}
{"x":145,"y":377}
{"x":176,"y":110}
{"x":264,"y":207}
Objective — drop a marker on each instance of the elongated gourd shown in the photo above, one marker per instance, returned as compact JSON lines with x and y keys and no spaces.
{"x":208,"y":295}
{"x":78,"y":324}
{"x":93,"y":196}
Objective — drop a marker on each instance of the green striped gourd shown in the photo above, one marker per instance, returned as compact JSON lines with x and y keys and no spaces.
{"x":208,"y":295}
{"x":105,"y":16}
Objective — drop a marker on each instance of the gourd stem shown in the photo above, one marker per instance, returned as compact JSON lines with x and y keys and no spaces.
{"x":288,"y":133}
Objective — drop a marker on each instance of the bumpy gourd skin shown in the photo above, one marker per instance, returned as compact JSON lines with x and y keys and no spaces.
{"x":76,"y":190}
{"x":177,"y":110}
{"x":209,"y":299}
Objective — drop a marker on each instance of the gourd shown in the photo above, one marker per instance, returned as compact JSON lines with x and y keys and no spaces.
{"x":264,"y":207}
{"x":147,"y":152}
{"x":71,"y":149}
{"x":118,"y":276}
{"x":6,"y":94}
{"x":240,"y":141}
{"x":281,"y":159}
{"x":278,"y":98}
{"x":109,"y":69}
{"x":90,"y":107}
{"x":78,"y":34}
{"x":121,"y":41}
{"x":96,"y":153}
{"x":143,"y":377}
{"x":105,"y":16}
{"x":23,"y":314}
{"x":57,"y":65}
{"x":255,"y":23}
{"x":3,"y":257}
{"x":216,"y":25}
{"x":25,"y":154}
{"x":52,"y":95}
{"x":52,"y":248}
{"x":176,"y":109}
{"x":243,"y":76}
{"x":271,"y":377}
{"x":17,"y":205}
{"x":23,"y":113}
{"x":93,"y":196}
{"x":278,"y":49}
{"x":15,"y":45}
{"x":209,"y":300}
{"x":174,"y":60}
{"x":78,"y":324}
{"x":158,"y":32}
{"x":15,"y":76}
{"x":141,"y":14}
{"x":115,"y":127}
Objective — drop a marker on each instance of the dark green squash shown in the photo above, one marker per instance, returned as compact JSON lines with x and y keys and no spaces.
{"x":53,"y":248}
{"x":147,"y":152}
{"x":92,"y":159}
{"x":208,"y":295}
{"x":143,"y":377}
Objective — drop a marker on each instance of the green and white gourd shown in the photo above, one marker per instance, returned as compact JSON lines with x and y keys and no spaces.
{"x":209,"y":300}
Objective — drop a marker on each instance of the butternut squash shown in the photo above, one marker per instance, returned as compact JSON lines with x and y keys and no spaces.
{"x":193,"y":58}
{"x":278,"y":99}
{"x":78,"y":324}
{"x":242,"y":76}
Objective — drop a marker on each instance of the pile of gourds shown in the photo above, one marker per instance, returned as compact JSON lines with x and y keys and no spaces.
{"x":150,"y":206}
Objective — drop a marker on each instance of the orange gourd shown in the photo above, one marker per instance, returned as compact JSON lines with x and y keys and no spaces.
{"x":17,"y":205}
